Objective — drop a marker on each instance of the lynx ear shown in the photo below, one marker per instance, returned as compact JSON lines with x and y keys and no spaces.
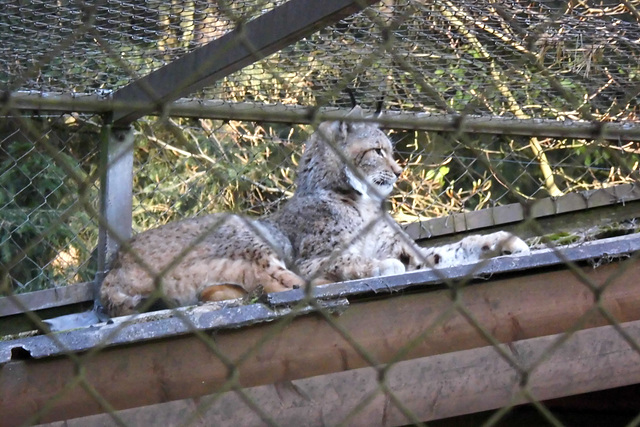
{"x":331,"y":131}
{"x":379,"y":105}
{"x":356,"y":112}
{"x":338,"y":131}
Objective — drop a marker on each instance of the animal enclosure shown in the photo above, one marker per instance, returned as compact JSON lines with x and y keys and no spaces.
{"x":523,"y":115}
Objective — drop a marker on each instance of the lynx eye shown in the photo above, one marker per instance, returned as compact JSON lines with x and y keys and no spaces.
{"x":379,"y":151}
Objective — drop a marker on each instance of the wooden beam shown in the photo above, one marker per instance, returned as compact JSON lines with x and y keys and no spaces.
{"x":569,"y":212}
{"x":144,"y":373}
{"x":431,"y":388}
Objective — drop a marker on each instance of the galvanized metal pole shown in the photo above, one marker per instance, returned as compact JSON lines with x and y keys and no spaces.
{"x":116,"y":195}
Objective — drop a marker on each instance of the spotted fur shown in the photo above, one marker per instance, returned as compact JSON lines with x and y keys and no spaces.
{"x":334,"y":228}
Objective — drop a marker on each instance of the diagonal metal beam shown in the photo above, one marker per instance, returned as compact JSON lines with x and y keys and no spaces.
{"x":235,"y":50}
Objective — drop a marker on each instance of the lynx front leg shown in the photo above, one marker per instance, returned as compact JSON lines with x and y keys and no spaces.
{"x":347,"y":267}
{"x":237,"y":277}
{"x":474,"y":248}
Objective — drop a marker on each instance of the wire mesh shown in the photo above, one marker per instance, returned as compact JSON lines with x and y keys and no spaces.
{"x":575,"y":60}
{"x":525,"y":60}
{"x":47,"y":235}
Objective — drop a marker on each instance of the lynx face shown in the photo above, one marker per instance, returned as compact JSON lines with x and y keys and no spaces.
{"x":371,"y":169}
{"x":348,"y":156}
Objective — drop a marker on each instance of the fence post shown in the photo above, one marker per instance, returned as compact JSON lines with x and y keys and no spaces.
{"x":116,"y":195}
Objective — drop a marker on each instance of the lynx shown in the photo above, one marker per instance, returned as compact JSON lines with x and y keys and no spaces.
{"x":334,"y":228}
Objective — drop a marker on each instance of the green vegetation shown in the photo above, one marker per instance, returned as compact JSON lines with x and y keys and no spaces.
{"x":46,"y":235}
{"x":443,"y":57}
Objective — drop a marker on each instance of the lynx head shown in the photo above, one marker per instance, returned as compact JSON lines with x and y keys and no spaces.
{"x":348,"y":157}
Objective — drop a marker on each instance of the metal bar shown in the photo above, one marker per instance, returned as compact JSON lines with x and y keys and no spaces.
{"x":56,"y":102}
{"x":243,"y":46}
{"x":116,"y":194}
{"x":430,"y":387}
{"x":624,"y":131}
{"x":48,"y":298}
{"x":161,"y":370}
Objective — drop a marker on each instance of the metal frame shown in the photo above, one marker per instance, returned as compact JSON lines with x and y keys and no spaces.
{"x":116,"y":194}
{"x":248,"y":43}
{"x":83,"y":103}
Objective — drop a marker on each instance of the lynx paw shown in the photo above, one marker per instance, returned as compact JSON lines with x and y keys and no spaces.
{"x":389,"y":267}
{"x":504,"y":243}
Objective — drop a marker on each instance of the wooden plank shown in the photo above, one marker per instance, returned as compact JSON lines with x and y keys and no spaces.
{"x":511,"y":309}
{"x":248,"y":43}
{"x":617,"y":196}
{"x":431,"y":388}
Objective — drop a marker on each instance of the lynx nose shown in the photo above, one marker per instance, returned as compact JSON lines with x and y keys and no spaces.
{"x":397,"y":170}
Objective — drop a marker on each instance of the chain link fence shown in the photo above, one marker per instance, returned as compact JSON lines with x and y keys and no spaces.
{"x":123,"y":117}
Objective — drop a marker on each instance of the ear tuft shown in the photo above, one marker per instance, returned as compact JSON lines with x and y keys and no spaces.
{"x":330,"y":130}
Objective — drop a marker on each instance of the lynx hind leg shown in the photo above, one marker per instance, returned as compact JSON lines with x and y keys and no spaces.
{"x":348,"y":267}
{"x":221,"y":292}
{"x":474,"y":248}
{"x":223,"y":279}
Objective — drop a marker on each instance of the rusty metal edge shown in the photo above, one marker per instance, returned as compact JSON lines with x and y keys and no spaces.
{"x":430,"y":387}
{"x":156,"y":325}
{"x":404,"y":327}
{"x":606,"y":248}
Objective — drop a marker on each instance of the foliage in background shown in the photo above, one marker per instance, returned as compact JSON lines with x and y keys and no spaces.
{"x":39,"y":207}
{"x":445,"y":57}
{"x":188,"y":167}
